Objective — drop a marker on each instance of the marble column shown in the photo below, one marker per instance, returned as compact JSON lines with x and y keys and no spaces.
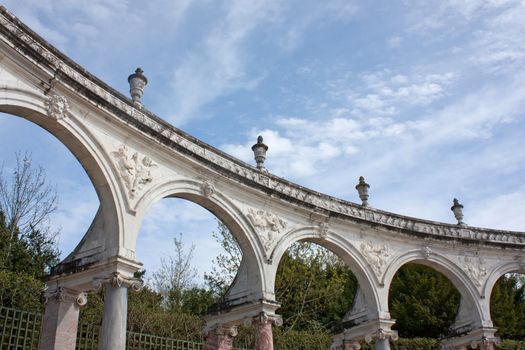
{"x":263,"y":330}
{"x":351,"y":345}
{"x":114,"y":321}
{"x":60,"y":323}
{"x":220,"y":338}
{"x":263,"y":336}
{"x":382,"y":344}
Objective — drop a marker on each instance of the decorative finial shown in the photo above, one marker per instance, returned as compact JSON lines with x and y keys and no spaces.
{"x":137,"y":81}
{"x":362,"y":188}
{"x":259,"y":151}
{"x":457,"y":209}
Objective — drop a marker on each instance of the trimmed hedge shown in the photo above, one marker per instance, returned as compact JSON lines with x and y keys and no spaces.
{"x":512,"y":345}
{"x":300,"y":340}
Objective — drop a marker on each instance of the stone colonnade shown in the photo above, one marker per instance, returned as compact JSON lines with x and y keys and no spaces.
{"x":59,"y":326}
{"x":135,"y":159}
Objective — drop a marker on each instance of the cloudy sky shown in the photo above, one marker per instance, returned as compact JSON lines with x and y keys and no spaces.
{"x":424,"y":98}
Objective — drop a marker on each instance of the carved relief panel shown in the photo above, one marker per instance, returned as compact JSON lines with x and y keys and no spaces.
{"x":376,"y":255}
{"x":475,"y":268}
{"x":268,"y":226}
{"x":135,"y":170}
{"x":57,"y":107}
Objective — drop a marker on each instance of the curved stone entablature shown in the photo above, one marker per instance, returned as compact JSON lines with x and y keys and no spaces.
{"x":135,"y":159}
{"x":69,"y":73}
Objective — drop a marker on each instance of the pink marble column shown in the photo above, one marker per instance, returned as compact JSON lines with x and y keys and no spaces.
{"x":263,"y":330}
{"x":220,"y":338}
{"x":60,"y":323}
{"x":263,"y":336}
{"x":488,"y":344}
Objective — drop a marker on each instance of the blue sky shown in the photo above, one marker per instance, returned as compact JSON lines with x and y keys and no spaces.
{"x":424,"y":99}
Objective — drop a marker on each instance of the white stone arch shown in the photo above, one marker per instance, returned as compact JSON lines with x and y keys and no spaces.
{"x":351,"y":256}
{"x":516,"y":266}
{"x":32,"y":106}
{"x":470,"y":295}
{"x":225,"y":210}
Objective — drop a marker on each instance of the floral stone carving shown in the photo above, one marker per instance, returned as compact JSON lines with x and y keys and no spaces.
{"x":57,"y":107}
{"x":135,"y":171}
{"x":475,"y":268}
{"x":376,"y":256}
{"x":61,"y":294}
{"x":116,"y":279}
{"x":267,"y":224}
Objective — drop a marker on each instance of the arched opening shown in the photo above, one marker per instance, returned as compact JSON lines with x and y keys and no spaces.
{"x":317,"y":291}
{"x":507,"y":306}
{"x":314,"y":286}
{"x":186,"y":270}
{"x":30,"y":144}
{"x":423,"y":301}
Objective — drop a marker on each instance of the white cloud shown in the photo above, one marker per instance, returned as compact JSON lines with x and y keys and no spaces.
{"x":298,"y":20}
{"x":219,"y":66}
{"x":504,"y":211}
{"x":394,"y":41}
{"x":388,"y":93}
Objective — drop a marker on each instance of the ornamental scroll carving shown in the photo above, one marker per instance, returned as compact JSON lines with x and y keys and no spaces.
{"x":57,"y":107}
{"x":376,"y":256}
{"x":322,"y":230}
{"x":426,"y":252}
{"x":485,"y":342}
{"x":381,"y":334}
{"x":475,"y":269}
{"x":117,"y":280}
{"x":135,"y":171}
{"x":62,"y":294}
{"x":268,"y":225}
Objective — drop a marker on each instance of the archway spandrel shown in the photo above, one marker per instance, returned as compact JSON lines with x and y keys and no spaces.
{"x":135,"y":170}
{"x":377,"y":255}
{"x":268,"y":226}
{"x":475,"y":267}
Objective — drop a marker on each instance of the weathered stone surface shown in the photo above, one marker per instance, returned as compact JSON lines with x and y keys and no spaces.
{"x":135,"y":158}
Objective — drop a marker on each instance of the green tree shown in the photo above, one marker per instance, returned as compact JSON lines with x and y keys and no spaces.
{"x":314,"y":287}
{"x":226,"y":264}
{"x":507,"y":304}
{"x":27,"y":246}
{"x":196,"y":300}
{"x":423,"y":302}
{"x":175,"y":275}
{"x":26,"y":199}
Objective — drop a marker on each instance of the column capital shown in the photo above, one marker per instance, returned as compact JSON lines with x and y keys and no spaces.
{"x":482,"y":338}
{"x":485,"y":343}
{"x":116,"y":279}
{"x":372,"y":330}
{"x":264,"y":318}
{"x":63,"y":294}
{"x":381,"y":334}
{"x":221,"y":330}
